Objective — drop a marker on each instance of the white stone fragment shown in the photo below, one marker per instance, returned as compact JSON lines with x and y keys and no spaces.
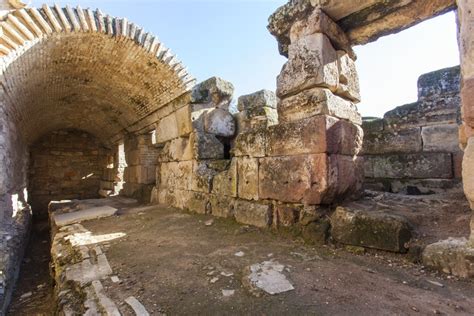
{"x":83,"y":215}
{"x":227,"y":293}
{"x":137,"y":307}
{"x":268,"y":277}
{"x":239,"y":254}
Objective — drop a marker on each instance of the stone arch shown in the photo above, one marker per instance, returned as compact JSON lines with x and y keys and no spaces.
{"x":70,"y":68}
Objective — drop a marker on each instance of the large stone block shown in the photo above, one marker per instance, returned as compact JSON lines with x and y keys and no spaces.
{"x":253,"y":213}
{"x":415,"y":166}
{"x":213,"y":90}
{"x":177,"y":149}
{"x":453,"y":256}
{"x":141,"y":174}
{"x":204,"y":172}
{"x":247,"y":170}
{"x":206,"y":146}
{"x":445,"y":110}
{"x":257,"y":100}
{"x":404,"y":141}
{"x":297,"y":179}
{"x":220,"y":123}
{"x":317,"y":101}
{"x":176,"y":175}
{"x":312,"y":63}
{"x":222,"y":206}
{"x":286,"y":215}
{"x":441,"y":138}
{"x":319,"y":134}
{"x":348,"y":78}
{"x":252,"y":143}
{"x":198,"y":202}
{"x":360,"y":226}
{"x":319,"y":22}
{"x":183,"y":120}
{"x":225,"y":182}
{"x":167,"y":129}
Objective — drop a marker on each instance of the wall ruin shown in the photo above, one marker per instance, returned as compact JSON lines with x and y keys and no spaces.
{"x":415,"y":149}
{"x":65,"y":165}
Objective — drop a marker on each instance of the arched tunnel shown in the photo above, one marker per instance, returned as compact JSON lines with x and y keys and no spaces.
{"x":73,"y":69}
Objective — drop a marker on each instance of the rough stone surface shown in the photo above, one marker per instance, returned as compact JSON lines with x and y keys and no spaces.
{"x":354,"y":225}
{"x":453,"y":256}
{"x":247,"y":169}
{"x":410,"y":166}
{"x":442,"y":138}
{"x":312,"y":63}
{"x":317,"y":102}
{"x":253,"y":213}
{"x":214,"y":90}
{"x":404,"y":141}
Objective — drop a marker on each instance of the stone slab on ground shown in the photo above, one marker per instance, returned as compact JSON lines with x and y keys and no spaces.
{"x":83,"y":215}
{"x":362,"y":225}
{"x":454,"y":256}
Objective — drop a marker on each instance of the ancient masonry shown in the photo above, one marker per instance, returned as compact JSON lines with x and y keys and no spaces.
{"x":415,"y":149}
{"x":142,"y":128}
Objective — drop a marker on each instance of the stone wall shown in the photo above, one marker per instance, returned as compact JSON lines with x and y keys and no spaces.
{"x":415,"y":148}
{"x":64,"y":165}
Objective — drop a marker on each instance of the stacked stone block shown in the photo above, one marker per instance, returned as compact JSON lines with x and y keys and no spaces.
{"x":319,"y":136}
{"x":415,"y":149}
{"x":141,"y":157}
{"x":288,"y":157}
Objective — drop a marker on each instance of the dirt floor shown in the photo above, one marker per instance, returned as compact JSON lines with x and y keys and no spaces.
{"x":178,"y":263}
{"x":34,"y":291}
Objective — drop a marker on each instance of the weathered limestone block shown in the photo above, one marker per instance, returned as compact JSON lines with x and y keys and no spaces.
{"x":225,"y":182}
{"x":257,"y":100}
{"x":372,"y":125}
{"x":414,"y":166}
{"x":318,"y":134}
{"x":176,"y":175}
{"x":309,"y":179}
{"x":348,"y":78}
{"x":198,"y":202}
{"x":206,"y":146}
{"x":443,"y":110}
{"x":441,"y":138}
{"x":204,"y":172}
{"x":167,"y":129}
{"x":286,"y":215}
{"x":222,"y":206}
{"x":183,"y":120}
{"x":468,"y":171}
{"x":214,"y":90}
{"x":177,"y":149}
{"x":441,"y":82}
{"x":317,"y":101}
{"x":257,"y":110}
{"x":453,"y":256}
{"x":220,"y":123}
{"x":296,"y":179}
{"x":319,"y":22}
{"x":198,"y":114}
{"x":359,"y":226}
{"x":252,"y":143}
{"x":242,"y":122}
{"x":253,"y":213}
{"x":247,"y":170}
{"x":107,"y":185}
{"x":404,"y":141}
{"x":312,"y":63}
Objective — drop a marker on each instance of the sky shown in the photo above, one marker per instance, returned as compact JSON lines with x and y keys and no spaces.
{"x":229,"y":39}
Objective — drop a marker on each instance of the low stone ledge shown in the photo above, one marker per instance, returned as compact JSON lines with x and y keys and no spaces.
{"x":360,"y":225}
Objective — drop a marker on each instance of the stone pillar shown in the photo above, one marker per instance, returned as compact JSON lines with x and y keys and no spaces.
{"x":319,"y":130}
{"x":466,"y":49}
